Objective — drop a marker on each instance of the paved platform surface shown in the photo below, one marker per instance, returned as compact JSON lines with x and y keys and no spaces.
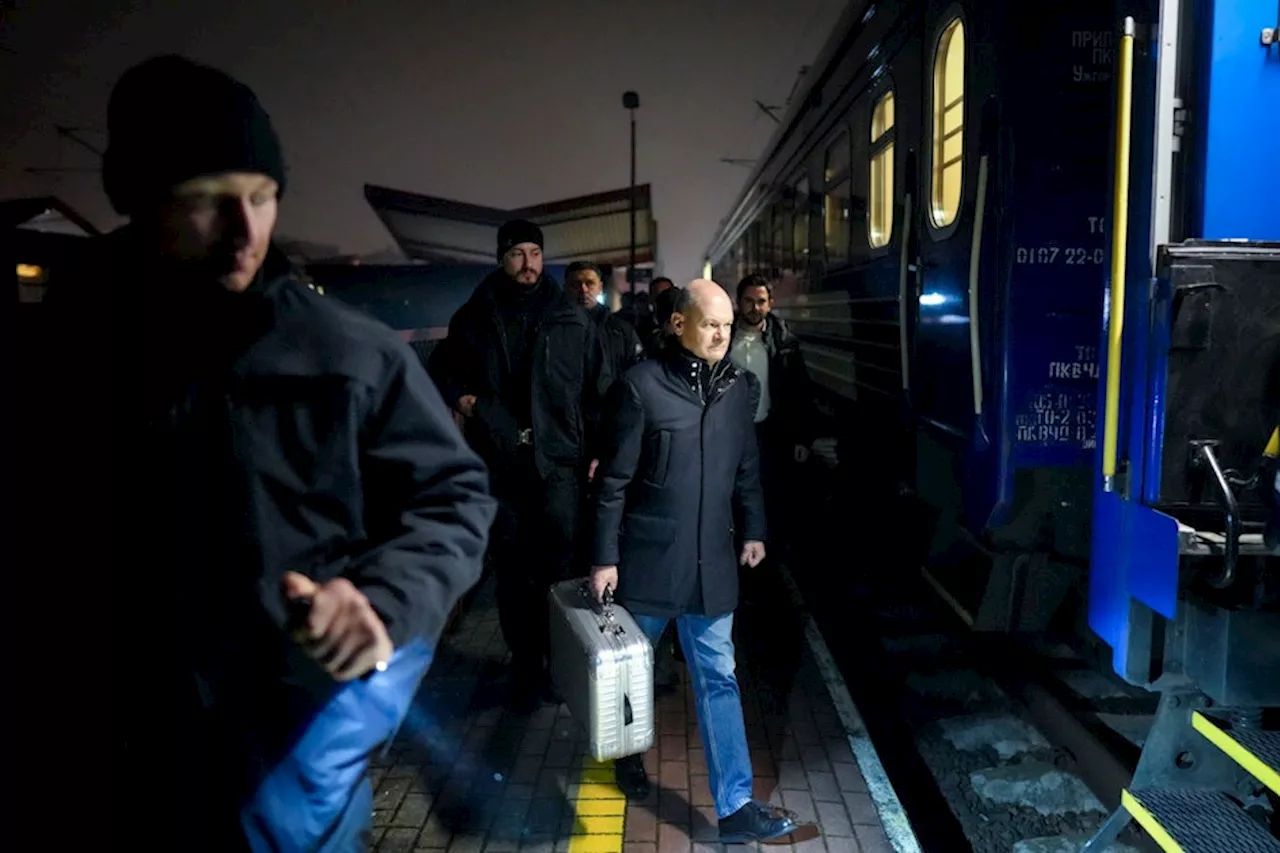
{"x":467,"y":775}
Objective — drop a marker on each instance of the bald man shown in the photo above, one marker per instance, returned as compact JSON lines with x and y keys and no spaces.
{"x":679,"y":456}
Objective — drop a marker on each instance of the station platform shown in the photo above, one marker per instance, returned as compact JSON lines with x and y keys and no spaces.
{"x":467,"y":775}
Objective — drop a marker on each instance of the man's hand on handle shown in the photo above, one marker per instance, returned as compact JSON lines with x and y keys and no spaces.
{"x":602,"y":578}
{"x":752,"y":554}
{"x":342,"y":631}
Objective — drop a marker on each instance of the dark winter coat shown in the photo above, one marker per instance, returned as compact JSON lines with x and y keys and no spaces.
{"x":569,"y":376}
{"x":622,"y":344}
{"x":680,"y":456}
{"x":792,"y":413}
{"x":279,"y":430}
{"x":251,"y":434}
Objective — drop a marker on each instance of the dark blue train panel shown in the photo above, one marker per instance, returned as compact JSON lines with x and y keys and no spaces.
{"x":1200,"y":334}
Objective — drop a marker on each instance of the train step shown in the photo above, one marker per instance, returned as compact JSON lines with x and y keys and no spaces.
{"x":1209,"y":543}
{"x":1258,"y":752}
{"x":1197,"y":822}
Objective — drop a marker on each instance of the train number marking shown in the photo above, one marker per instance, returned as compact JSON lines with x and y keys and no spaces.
{"x":1049,"y":255}
{"x":1058,"y":417}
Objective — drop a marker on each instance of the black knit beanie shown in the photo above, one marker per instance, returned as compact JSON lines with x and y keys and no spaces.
{"x":514,"y":233}
{"x":171,"y":120}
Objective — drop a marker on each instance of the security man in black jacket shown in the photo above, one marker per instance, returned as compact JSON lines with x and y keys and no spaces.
{"x":295,"y":513}
{"x":787,"y":420}
{"x":584,"y":284}
{"x":526,"y":368}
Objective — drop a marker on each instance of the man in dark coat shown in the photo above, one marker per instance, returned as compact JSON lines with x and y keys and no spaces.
{"x":295,"y":513}
{"x":650,"y":326}
{"x":786,"y":418}
{"x":526,"y":368}
{"x":584,"y":285}
{"x":680,"y":456}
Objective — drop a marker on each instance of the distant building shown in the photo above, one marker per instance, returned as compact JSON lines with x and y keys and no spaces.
{"x":588,"y":228}
{"x":41,"y":236}
{"x":416,"y":300}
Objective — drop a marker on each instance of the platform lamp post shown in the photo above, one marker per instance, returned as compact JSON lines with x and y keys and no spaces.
{"x":631,"y":102}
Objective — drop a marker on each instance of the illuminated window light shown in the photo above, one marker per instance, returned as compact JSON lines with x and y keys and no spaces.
{"x":30,"y":272}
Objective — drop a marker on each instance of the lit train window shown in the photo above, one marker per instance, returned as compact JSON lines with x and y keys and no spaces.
{"x":836,"y":199}
{"x":948,"y":126}
{"x":880,"y":220}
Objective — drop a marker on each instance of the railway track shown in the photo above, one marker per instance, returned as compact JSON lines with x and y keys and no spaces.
{"x":994,"y":744}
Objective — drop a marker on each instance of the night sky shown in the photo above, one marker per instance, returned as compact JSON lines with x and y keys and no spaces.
{"x":495,"y":102}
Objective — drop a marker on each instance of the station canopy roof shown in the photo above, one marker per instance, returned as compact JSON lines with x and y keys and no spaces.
{"x":45,"y":214}
{"x":588,"y":228}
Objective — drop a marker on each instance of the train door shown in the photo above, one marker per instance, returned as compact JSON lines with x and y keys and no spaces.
{"x":943,"y":386}
{"x":955,"y":457}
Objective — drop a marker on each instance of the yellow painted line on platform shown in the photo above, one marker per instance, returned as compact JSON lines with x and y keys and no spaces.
{"x":602,"y":775}
{"x":602,"y":808}
{"x":1148,"y":822}
{"x":1223,"y":740}
{"x":598,"y":791}
{"x":599,"y":810}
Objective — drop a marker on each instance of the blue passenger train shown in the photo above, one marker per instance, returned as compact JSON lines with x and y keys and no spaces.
{"x":1026,"y":247}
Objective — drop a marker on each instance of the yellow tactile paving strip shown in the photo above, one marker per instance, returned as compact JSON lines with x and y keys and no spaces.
{"x":599,"y":810}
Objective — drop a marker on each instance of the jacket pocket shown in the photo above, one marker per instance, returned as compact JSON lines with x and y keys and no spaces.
{"x":646,"y":542}
{"x":657,"y":454}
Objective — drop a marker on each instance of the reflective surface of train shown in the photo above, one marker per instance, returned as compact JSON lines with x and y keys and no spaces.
{"x":1030,"y":252}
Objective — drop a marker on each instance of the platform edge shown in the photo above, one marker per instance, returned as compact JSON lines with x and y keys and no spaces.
{"x":893,"y":817}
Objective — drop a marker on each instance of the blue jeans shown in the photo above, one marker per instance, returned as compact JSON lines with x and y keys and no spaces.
{"x":318,"y":798}
{"x":708,"y":650}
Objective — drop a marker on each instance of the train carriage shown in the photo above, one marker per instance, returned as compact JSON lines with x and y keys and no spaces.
{"x":1025,"y":249}
{"x":935,"y":216}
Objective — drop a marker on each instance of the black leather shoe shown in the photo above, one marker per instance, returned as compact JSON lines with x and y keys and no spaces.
{"x":632,"y":780}
{"x":757,"y":822}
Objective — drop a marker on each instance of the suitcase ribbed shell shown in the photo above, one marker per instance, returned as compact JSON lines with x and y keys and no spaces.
{"x":602,"y":666}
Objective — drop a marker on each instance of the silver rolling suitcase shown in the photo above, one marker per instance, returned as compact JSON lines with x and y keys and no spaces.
{"x":602,"y":666}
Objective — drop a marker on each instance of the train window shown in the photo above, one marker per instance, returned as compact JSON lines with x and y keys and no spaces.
{"x":947,"y":170}
{"x":766,"y":242}
{"x":836,"y":199}
{"x":754,"y":258}
{"x":800,"y":225}
{"x":781,"y":239}
{"x":880,"y":221}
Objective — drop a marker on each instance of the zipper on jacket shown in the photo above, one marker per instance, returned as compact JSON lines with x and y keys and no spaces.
{"x":702,"y":469}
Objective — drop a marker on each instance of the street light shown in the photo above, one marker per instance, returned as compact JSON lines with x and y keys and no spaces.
{"x":631,"y":102}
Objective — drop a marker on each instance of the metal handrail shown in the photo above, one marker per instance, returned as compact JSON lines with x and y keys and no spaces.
{"x":1120,"y":220}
